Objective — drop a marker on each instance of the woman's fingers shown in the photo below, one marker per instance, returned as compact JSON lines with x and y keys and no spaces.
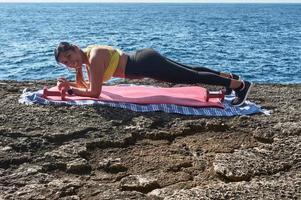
{"x":60,"y":85}
{"x":65,"y":84}
{"x":62,"y":82}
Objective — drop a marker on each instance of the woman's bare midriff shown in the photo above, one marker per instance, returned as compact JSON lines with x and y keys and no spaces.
{"x":120,"y":71}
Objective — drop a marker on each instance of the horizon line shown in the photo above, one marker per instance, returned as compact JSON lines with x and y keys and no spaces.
{"x":151,"y":2}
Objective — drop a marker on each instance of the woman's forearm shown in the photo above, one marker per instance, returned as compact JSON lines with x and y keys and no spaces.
{"x":84,"y":92}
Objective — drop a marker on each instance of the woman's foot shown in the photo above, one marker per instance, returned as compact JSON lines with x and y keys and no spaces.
{"x":229,"y":90}
{"x":242,"y":93}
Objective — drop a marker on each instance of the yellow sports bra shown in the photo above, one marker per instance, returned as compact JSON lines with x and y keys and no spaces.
{"x":114,"y":60}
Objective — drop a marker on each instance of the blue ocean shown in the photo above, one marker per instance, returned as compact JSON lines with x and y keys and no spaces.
{"x":261,"y":42}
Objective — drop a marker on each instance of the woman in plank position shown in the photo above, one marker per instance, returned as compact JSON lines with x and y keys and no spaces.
{"x":104,"y":62}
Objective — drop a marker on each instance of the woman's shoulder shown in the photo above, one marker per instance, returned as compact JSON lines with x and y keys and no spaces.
{"x":97,"y":46}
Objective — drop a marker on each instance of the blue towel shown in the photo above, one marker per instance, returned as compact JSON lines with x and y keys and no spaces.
{"x":248,"y":108}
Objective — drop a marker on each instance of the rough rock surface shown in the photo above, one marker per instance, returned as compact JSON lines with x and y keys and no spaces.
{"x":68,"y":152}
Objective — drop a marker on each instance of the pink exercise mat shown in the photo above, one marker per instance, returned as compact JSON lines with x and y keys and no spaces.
{"x":185,"y":96}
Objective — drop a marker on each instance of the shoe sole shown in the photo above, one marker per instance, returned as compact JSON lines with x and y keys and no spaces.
{"x":251,"y":85}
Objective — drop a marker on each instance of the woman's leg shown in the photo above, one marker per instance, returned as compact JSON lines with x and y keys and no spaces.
{"x":149,"y":63}
{"x":196,"y":68}
{"x":228,"y":90}
{"x":204,"y":69}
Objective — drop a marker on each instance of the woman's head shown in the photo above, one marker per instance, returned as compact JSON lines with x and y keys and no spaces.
{"x":69,"y":55}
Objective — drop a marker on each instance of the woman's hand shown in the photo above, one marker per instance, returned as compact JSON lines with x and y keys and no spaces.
{"x":62,"y":82}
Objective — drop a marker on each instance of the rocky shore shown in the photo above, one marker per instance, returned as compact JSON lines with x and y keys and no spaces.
{"x":49,"y":152}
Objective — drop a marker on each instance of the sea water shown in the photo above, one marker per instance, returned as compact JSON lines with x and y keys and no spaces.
{"x":260,"y":42}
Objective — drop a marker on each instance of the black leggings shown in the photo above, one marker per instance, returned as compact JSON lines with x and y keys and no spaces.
{"x":148,"y":63}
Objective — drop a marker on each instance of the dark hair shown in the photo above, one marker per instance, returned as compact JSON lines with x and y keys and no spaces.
{"x":62,"y":47}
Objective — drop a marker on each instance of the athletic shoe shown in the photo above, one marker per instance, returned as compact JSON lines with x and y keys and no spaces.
{"x":228,"y":90}
{"x":242,"y":94}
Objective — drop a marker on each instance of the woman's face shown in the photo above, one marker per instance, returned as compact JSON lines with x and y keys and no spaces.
{"x":71,"y":58}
